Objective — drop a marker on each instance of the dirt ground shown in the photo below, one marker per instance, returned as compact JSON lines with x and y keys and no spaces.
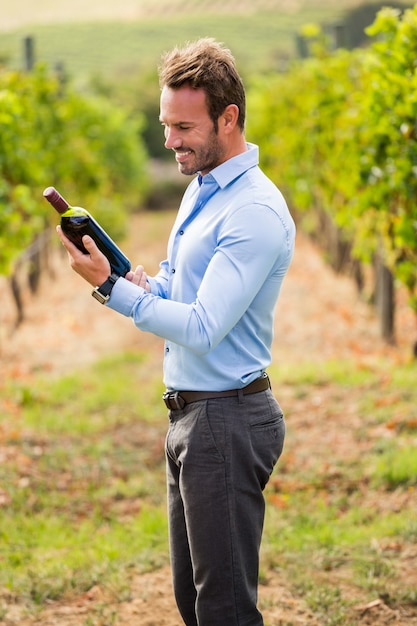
{"x":319,"y":316}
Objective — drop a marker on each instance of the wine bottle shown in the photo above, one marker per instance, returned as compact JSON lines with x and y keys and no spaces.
{"x":77,"y":222}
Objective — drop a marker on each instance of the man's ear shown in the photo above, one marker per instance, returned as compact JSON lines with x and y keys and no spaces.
{"x":229,"y":118}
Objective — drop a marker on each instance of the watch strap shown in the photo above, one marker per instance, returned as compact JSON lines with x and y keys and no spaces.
{"x":103,"y":291}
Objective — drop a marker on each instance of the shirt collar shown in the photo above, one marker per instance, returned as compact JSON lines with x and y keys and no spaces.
{"x":232,"y":168}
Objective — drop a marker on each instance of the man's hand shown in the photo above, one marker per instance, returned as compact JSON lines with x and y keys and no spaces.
{"x":93,"y":267}
{"x":138,"y":277}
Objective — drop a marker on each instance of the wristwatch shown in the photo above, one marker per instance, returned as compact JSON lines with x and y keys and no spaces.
{"x":102,"y":292}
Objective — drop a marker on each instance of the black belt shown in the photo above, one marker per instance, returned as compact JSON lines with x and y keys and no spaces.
{"x":175,"y":400}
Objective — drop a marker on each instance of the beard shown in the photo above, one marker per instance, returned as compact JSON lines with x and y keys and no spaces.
{"x":203,"y":158}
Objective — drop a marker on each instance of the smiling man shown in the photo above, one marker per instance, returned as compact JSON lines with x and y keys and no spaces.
{"x":200,"y":143}
{"x":213,"y":301}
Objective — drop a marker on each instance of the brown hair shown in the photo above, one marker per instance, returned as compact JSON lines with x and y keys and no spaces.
{"x":208,"y":65}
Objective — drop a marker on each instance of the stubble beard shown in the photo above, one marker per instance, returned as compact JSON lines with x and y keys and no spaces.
{"x":205,"y":158}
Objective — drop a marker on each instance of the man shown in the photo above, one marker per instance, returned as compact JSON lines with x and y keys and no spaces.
{"x":213,"y":301}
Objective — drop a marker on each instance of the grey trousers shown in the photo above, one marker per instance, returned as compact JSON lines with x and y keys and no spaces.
{"x":220,"y":454}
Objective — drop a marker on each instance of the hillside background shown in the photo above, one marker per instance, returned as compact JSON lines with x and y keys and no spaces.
{"x":111,"y":39}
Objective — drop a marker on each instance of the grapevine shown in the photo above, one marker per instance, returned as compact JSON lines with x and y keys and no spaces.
{"x":51,"y":135}
{"x":338,"y":134}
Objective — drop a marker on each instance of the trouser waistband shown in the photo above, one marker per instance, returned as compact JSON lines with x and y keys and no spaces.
{"x":175,"y":400}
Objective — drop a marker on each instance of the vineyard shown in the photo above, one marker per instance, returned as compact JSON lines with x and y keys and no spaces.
{"x":50,"y":135}
{"x":83,"y":528}
{"x":338,"y":133}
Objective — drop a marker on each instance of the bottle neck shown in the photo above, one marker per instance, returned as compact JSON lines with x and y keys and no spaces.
{"x":54,"y":197}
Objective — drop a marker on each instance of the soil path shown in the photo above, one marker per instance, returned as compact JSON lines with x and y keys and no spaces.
{"x":319,"y":316}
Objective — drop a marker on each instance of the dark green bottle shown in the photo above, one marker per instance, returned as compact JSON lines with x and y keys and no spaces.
{"x":77,"y":222}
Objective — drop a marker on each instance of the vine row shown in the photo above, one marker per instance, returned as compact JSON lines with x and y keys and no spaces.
{"x":338,"y":133}
{"x":52,"y":135}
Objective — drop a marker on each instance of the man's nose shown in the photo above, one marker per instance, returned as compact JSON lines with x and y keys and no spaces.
{"x":172,"y":138}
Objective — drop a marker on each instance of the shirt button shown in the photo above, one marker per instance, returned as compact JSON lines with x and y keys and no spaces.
{"x":173,"y":271}
{"x":181,"y":232}
{"x":166,"y":349}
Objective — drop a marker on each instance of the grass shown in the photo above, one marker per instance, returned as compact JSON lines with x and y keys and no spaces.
{"x":341,"y":521}
{"x":396,"y":466}
{"x":83,"y":485}
{"x":62,"y":555}
{"x":83,"y":488}
{"x":108,"y":402}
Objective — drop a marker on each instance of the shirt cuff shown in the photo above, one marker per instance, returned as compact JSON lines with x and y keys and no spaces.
{"x":124,"y":296}
{"x":153,"y":285}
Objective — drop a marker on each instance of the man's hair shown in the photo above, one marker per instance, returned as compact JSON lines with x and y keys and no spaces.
{"x":208,"y":65}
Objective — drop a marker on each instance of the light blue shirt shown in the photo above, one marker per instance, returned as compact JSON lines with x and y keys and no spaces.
{"x":214,"y":297}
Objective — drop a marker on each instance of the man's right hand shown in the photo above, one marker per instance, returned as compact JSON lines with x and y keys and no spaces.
{"x":139,"y":277}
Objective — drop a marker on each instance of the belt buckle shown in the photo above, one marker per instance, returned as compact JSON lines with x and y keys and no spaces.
{"x":173,"y":400}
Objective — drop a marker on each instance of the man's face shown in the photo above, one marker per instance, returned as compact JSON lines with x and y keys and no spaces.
{"x":189,"y":130}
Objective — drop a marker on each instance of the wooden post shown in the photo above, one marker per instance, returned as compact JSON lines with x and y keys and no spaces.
{"x":339,"y":36}
{"x":301,"y":46}
{"x":385,"y":300}
{"x":17,"y":295}
{"x":29,"y":53}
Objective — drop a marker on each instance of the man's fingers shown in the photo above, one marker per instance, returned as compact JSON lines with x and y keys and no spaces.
{"x":138,"y":277}
{"x":67,"y":243}
{"x":90,"y":245}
